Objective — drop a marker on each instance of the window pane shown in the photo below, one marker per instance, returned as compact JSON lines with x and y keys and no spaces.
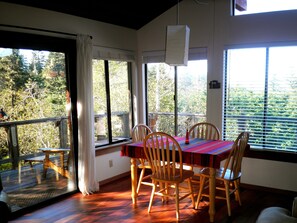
{"x":100,"y":109}
{"x":160,"y":81}
{"x":281,"y":132}
{"x":192,"y":93}
{"x":119,"y":100}
{"x":113,"y":97}
{"x":261,"y":95}
{"x":259,"y":6}
{"x":244,"y":95}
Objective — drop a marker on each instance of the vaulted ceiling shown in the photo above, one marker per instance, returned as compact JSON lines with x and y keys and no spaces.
{"x":127,"y":13}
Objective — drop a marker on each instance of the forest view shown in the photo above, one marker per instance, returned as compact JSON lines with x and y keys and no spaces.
{"x":33,"y":86}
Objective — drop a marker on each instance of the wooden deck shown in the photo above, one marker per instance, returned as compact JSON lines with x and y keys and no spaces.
{"x":27,"y":186}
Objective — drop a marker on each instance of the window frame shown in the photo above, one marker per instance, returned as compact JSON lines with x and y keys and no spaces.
{"x":108,"y":103}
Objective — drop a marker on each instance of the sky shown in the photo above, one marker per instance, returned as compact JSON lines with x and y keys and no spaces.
{"x":26,"y":53}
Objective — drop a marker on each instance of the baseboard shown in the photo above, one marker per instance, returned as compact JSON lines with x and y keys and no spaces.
{"x":267,"y":189}
{"x":242,"y":185}
{"x":117,"y":177}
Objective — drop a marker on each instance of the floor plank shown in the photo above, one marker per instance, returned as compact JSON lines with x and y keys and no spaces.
{"x":113,"y":204}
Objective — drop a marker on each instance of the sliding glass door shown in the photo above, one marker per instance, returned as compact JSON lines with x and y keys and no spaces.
{"x":36,"y":124}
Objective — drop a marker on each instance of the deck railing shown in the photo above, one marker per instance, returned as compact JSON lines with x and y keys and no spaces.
{"x":164,"y":121}
{"x":20,"y":140}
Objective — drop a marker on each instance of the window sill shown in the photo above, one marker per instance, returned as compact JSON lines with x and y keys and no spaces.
{"x":110,"y":148}
{"x":289,"y":157}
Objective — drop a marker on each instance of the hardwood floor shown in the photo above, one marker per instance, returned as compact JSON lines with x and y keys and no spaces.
{"x":113,"y":204}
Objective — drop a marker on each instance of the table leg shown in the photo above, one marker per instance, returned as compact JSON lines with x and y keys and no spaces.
{"x":45,"y":164}
{"x":62,"y":163}
{"x":134,"y":181}
{"x":212,"y":194}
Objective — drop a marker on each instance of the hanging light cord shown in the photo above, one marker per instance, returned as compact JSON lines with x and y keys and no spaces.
{"x":177,"y":13}
{"x":201,"y":3}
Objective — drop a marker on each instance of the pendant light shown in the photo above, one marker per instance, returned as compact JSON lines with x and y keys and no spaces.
{"x":177,"y":43}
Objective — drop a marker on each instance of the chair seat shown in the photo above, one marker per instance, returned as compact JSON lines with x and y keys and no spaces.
{"x":229,"y":175}
{"x":177,"y":178}
{"x":144,"y":165}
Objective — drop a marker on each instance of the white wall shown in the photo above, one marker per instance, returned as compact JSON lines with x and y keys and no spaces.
{"x":267,"y":173}
{"x":103,"y":34}
{"x":120,"y":164}
{"x":215,"y":33}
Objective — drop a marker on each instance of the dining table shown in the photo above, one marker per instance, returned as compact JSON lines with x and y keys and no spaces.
{"x":198,"y":152}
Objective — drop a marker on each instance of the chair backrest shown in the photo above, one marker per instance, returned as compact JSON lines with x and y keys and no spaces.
{"x":161,"y":148}
{"x":139,"y":132}
{"x":204,"y":130}
{"x":233,"y":163}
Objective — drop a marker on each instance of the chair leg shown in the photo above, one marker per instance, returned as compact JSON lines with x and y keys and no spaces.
{"x":202,"y":181}
{"x":177,"y":200}
{"x":167,"y":192}
{"x":227,"y":190}
{"x":152,"y":196}
{"x":191,"y":191}
{"x":140,"y":179}
{"x":237,"y":191}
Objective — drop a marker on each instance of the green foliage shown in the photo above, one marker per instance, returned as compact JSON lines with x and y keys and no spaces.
{"x":119,"y":98}
{"x":191,"y":96}
{"x":55,"y":84}
{"x":246,"y":112}
{"x":99,"y":89}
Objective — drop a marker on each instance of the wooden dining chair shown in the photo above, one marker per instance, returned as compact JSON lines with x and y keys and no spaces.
{"x":139,"y":132}
{"x":228,"y":177}
{"x":203,"y":130}
{"x":164,"y":155}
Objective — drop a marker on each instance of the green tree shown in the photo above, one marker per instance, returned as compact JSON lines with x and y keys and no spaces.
{"x":55,"y":84}
{"x":13,"y":77}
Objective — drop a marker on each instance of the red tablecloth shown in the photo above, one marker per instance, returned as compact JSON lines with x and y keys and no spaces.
{"x":201,"y":152}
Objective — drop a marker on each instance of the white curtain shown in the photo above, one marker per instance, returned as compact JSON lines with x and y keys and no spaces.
{"x":86,"y":147}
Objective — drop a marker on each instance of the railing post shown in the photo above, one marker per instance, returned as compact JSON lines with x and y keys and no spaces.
{"x":13,"y":145}
{"x":100,"y":130}
{"x":63,"y":133}
{"x":125,"y":121}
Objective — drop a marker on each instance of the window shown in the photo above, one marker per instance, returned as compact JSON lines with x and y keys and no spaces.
{"x":176,"y":96}
{"x":261,"y":95}
{"x":243,"y":7}
{"x":112,"y":101}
